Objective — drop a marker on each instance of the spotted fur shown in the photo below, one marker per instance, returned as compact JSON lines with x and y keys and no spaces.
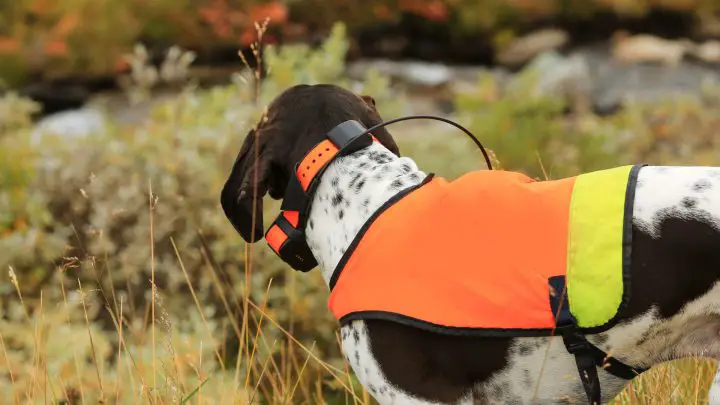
{"x":539,"y":370}
{"x":673,"y":312}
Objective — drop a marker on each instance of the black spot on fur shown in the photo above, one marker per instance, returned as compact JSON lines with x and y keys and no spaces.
{"x":341,"y":214}
{"x":379,"y":157}
{"x":702,"y":185}
{"x":366,"y":202}
{"x":689,"y":202}
{"x":360,"y":185}
{"x":372,"y":388}
{"x":354,"y":180}
{"x":362,"y":165}
{"x":525,"y":349}
{"x":356,"y":336}
{"x":357,"y":357}
{"x":335,"y":181}
{"x":396,"y":184}
{"x":405,"y":167}
{"x":527,"y":380}
{"x":337,"y":199}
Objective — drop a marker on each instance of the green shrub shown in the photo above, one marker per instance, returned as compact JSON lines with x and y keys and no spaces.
{"x":93,"y":217}
{"x":87,"y":225}
{"x":87,"y":37}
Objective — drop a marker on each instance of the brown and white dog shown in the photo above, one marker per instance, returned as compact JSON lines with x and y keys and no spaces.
{"x":674,"y":310}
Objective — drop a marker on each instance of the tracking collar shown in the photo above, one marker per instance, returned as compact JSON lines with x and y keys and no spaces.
{"x":286,"y":235}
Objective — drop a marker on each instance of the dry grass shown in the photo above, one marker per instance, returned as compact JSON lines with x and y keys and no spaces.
{"x":159,"y":360}
{"x":167,"y":356}
{"x":151,"y":363}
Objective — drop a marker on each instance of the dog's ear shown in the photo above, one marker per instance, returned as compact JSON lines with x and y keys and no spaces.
{"x":368,"y":100}
{"x":243,"y":192}
{"x":381,"y":133}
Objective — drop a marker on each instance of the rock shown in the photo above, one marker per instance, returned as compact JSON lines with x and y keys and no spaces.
{"x":71,"y":124}
{"x":357,"y":69}
{"x":420,"y":76}
{"x":641,"y":48}
{"x":414,"y":73}
{"x":707,"y":52}
{"x":525,"y":48}
{"x":426,"y":74}
{"x":556,"y":75}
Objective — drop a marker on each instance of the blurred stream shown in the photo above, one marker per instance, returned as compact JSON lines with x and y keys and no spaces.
{"x":587,"y":72}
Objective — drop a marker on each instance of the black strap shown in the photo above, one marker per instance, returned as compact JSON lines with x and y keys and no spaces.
{"x":613,"y":366}
{"x":348,"y":137}
{"x":587,"y":356}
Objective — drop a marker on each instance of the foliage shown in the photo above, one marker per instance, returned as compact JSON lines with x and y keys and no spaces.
{"x":88,"y":37}
{"x":124,"y":278}
{"x":129,"y":205}
{"x":51,"y":39}
{"x":531,"y":132}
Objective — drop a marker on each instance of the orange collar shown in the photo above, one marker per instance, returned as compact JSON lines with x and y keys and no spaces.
{"x":286,"y":236}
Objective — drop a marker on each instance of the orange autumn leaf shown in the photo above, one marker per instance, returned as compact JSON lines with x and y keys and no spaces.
{"x":275,"y":11}
{"x":9,"y":45}
{"x":56,"y":48}
{"x":223,"y":29}
{"x":236,"y":17}
{"x":121,"y":65}
{"x":248,"y":36}
{"x":41,"y":6}
{"x":66,"y":25}
{"x":435,"y":11}
{"x":210,"y":14}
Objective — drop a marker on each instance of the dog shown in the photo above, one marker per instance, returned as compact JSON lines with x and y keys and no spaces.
{"x":673,"y":310}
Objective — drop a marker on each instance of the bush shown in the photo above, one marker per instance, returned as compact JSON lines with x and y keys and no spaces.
{"x":90,"y":38}
{"x":124,"y":206}
{"x":86,"y":227}
{"x":40,"y":37}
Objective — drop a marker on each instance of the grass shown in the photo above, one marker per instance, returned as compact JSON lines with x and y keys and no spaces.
{"x":156,"y":360}
{"x":159,"y":360}
{"x":224,"y":332}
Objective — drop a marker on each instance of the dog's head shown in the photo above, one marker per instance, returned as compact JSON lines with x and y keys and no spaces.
{"x":297,"y":120}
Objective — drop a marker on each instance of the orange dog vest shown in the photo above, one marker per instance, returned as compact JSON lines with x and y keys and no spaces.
{"x":477,"y":254}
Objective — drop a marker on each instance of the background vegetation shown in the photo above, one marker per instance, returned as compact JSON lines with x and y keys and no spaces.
{"x":51,"y":39}
{"x":121,"y":280}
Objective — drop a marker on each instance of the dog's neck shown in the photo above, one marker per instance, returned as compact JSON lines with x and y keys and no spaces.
{"x":350,"y":190}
